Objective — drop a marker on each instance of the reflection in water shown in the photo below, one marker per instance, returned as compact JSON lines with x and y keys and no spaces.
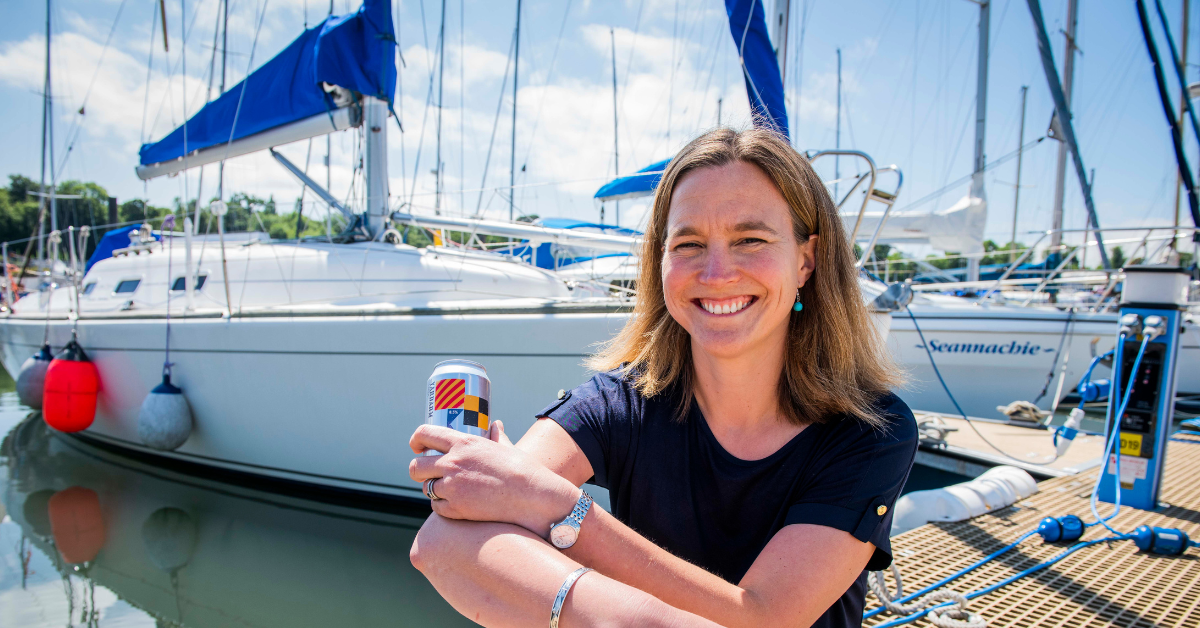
{"x":101,"y":540}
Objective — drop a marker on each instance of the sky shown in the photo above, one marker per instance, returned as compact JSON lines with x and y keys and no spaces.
{"x":908,"y":84}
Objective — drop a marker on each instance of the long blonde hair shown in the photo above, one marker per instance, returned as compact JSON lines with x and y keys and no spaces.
{"x":835,"y":362}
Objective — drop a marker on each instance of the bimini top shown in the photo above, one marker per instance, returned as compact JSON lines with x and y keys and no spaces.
{"x":354,"y":51}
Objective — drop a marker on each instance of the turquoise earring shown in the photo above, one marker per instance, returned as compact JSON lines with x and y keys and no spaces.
{"x":798,"y":306}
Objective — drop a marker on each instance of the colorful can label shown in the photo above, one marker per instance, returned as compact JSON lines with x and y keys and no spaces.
{"x":458,"y":396}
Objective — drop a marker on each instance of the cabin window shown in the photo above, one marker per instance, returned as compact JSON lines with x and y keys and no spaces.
{"x":128,"y":285}
{"x":180,"y":286}
{"x":87,"y":289}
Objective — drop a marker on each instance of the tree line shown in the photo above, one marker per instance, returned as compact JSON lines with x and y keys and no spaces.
{"x":20,"y":203}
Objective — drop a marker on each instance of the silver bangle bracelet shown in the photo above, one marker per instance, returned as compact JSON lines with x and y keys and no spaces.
{"x":562,"y":594}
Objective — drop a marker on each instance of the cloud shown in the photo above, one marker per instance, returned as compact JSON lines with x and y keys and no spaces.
{"x":564,"y":122}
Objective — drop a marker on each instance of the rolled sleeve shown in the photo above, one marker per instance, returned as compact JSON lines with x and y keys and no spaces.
{"x":855,"y":485}
{"x":588,"y":413}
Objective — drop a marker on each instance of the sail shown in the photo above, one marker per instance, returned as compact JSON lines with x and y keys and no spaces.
{"x":640,"y":183}
{"x":958,"y":228}
{"x":764,"y":83}
{"x":354,"y":51}
{"x":764,"y":88}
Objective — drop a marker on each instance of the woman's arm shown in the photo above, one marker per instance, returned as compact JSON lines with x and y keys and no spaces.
{"x":499,"y":574}
{"x":801,"y":572}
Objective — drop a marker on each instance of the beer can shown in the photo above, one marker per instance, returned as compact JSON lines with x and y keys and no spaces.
{"x":457,"y":397}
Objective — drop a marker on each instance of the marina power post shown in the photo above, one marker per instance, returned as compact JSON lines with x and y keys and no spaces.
{"x":1152,"y":305}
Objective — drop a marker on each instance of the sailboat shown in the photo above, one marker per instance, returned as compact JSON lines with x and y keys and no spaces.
{"x":304,"y":362}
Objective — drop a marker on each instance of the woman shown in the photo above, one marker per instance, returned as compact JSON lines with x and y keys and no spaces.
{"x":741,"y":422}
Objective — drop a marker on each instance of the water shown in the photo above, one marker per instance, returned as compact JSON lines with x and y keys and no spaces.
{"x":157,"y":549}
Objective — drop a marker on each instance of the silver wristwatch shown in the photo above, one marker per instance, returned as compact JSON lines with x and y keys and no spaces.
{"x":566,"y":532}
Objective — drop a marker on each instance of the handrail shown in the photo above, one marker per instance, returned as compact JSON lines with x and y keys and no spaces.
{"x":812,"y":157}
{"x":1013,"y":266}
{"x":889,"y":200}
{"x":1058,"y":269}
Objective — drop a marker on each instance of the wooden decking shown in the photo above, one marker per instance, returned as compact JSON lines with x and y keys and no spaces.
{"x":1107,"y":584}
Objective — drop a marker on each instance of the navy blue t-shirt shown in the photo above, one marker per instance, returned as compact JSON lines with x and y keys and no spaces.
{"x":674,"y":484}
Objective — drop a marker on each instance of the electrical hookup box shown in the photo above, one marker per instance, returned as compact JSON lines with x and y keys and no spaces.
{"x":1153,"y":301}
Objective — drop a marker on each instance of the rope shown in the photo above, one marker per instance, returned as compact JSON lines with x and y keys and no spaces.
{"x":1058,"y":354}
{"x":53,"y":239}
{"x":901,"y":598}
{"x":946,"y":388}
{"x":954,"y":615}
{"x":169,"y":223}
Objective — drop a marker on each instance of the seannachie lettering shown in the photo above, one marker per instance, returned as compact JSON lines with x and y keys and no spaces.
{"x":1010,"y":348}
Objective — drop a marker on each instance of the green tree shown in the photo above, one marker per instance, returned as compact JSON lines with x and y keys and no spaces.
{"x":1117,"y":257}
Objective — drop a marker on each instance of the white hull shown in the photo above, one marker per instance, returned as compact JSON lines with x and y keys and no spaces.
{"x":327,"y":400}
{"x":333,"y":400}
{"x":318,"y":376}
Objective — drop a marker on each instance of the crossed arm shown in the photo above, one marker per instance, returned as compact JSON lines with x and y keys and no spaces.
{"x":483,"y":549}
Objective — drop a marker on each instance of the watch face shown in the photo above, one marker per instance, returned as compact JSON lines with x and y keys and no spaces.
{"x":563,"y":536}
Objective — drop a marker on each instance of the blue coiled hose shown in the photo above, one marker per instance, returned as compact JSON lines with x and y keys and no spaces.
{"x":1122,"y":402}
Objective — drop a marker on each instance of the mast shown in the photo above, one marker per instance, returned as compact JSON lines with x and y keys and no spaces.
{"x":512,"y":158}
{"x":1183,"y":96}
{"x":437,"y":172}
{"x":375,"y":115}
{"x":616,"y":145}
{"x":1012,"y":253}
{"x":224,"y":53}
{"x":981,"y":80}
{"x":1060,"y":172}
{"x":1062,"y":112}
{"x":45,"y":131}
{"x":837,"y":137}
{"x":779,"y":34}
{"x":328,"y":142}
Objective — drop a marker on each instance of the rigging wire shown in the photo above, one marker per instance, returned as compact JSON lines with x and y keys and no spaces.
{"x":168,"y":94}
{"x":549,"y":76}
{"x":425,"y":114}
{"x":77,"y":124}
{"x":495,"y":124}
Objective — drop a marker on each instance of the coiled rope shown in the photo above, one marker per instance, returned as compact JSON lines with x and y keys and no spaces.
{"x":953,"y":615}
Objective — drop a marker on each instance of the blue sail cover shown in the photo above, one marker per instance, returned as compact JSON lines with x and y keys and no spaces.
{"x":641,"y":183}
{"x":554,"y":256}
{"x":356,"y":51}
{"x":764,"y":83}
{"x":764,"y":88}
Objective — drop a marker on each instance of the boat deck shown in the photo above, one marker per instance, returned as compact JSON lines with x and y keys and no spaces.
{"x":966,"y":453}
{"x":1107,"y":584}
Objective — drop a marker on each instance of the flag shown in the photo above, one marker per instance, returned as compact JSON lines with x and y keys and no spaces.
{"x":449,"y":393}
{"x":476,"y":412}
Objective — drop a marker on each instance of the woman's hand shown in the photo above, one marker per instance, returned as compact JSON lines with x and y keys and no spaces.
{"x":488,"y":479}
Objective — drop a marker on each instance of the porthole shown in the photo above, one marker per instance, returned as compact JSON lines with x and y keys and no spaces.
{"x":127,"y":286}
{"x":180,"y":285}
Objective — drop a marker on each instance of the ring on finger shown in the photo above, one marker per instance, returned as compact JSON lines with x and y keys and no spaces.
{"x":429,"y":490}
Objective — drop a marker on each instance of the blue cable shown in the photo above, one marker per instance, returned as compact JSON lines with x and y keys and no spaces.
{"x":1123,"y":402}
{"x":984,"y":591}
{"x":1087,"y":375}
{"x":954,"y":576}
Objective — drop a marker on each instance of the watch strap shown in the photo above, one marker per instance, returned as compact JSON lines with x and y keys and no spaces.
{"x":561,"y":598}
{"x":575,"y":518}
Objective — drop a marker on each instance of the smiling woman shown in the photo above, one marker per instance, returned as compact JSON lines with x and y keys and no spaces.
{"x":751,"y":448}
